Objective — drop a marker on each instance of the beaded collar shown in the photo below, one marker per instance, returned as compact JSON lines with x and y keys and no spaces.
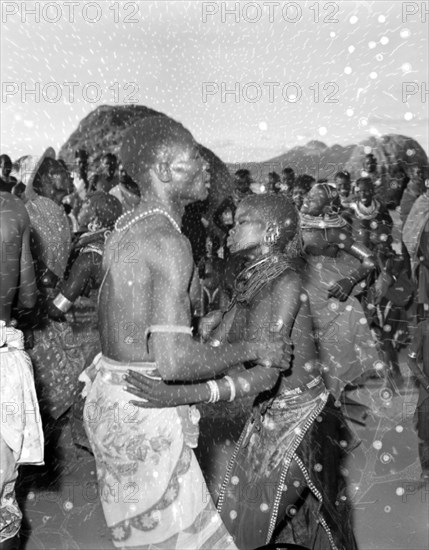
{"x":143,"y":215}
{"x":319,"y":222}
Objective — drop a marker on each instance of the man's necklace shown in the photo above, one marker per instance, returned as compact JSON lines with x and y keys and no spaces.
{"x":143,"y":215}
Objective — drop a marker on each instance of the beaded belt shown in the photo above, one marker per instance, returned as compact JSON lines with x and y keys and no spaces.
{"x":301,"y":389}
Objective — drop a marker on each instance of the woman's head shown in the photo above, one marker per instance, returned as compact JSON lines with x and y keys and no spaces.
{"x":264,"y":222}
{"x":320,"y":200}
{"x":101,"y":210}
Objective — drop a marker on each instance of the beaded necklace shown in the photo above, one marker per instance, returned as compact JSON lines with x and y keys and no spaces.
{"x":143,"y":215}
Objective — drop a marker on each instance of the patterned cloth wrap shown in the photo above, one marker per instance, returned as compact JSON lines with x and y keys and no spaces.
{"x":257,"y":474}
{"x":58,"y":360}
{"x":151,"y":487}
{"x":345,"y":343}
{"x":21,"y":440}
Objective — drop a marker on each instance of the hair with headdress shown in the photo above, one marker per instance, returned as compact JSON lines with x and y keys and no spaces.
{"x":281,"y":211}
{"x":106,"y":207}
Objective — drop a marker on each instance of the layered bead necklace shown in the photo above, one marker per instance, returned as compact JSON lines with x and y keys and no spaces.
{"x":143,"y":215}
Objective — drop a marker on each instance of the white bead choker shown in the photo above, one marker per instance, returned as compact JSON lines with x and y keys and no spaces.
{"x":143,"y":215}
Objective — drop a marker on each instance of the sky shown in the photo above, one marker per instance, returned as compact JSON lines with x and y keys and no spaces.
{"x":249,"y":79}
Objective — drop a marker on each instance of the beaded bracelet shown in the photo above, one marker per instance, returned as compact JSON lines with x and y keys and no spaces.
{"x":232,"y":387}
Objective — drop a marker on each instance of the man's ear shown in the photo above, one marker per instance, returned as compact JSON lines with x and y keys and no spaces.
{"x":163,"y":171}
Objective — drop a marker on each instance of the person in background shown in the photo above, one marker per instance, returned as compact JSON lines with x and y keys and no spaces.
{"x":415,"y":235}
{"x":287,"y":181}
{"x":367,"y":212}
{"x":272,"y":182}
{"x":7,"y":182}
{"x":106,"y":178}
{"x":127,"y":191}
{"x":302,"y":186}
{"x":21,"y":434}
{"x":418,"y":352}
{"x":80,"y":183}
{"x":343,"y":185}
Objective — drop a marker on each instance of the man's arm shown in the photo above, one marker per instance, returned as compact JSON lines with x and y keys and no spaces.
{"x":178,"y":356}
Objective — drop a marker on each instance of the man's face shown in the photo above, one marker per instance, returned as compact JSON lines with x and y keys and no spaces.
{"x":6,"y":168}
{"x":189,"y":172}
{"x":122,"y":174}
{"x":248,"y":232}
{"x":314,"y":202}
{"x":370,"y":164}
{"x":287,"y":179}
{"x":108,"y":166}
{"x":80,"y":165}
{"x":417,"y":174}
{"x":242,"y":183}
{"x":343,"y":187}
{"x":365,"y":193}
{"x":56,"y":182}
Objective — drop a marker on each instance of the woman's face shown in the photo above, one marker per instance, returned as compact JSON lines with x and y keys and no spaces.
{"x":56,"y":181}
{"x":314,"y":202}
{"x":248,"y":232}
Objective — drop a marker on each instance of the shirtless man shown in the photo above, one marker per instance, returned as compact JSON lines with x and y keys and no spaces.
{"x":20,"y":442}
{"x":148,"y":275}
{"x":271,"y":467}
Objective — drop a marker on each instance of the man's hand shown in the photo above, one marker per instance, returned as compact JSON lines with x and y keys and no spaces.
{"x":157,"y":394}
{"x":278,"y":352}
{"x":341,"y":289}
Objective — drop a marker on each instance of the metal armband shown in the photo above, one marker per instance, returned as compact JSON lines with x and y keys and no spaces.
{"x":62,"y":303}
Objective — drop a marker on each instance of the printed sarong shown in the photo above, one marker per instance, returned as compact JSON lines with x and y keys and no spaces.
{"x":21,"y":440}
{"x":151,"y":487}
{"x":258,"y":474}
{"x":345,"y":343}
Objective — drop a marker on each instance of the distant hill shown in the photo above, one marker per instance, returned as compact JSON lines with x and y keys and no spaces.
{"x":321,"y":161}
{"x":101,"y":132}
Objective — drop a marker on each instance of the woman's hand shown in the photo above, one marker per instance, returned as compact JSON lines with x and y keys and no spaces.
{"x":156,"y":393}
{"x":341,"y":289}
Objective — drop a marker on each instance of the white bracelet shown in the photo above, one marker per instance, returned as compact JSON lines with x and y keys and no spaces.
{"x":232,"y":387}
{"x":214,"y":392}
{"x":62,"y":303}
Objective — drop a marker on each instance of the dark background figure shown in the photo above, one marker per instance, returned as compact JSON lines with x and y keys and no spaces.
{"x":194,"y":228}
{"x":343,"y":185}
{"x":106,"y":178}
{"x":419,"y":353}
{"x":302,"y":186}
{"x":272,"y":183}
{"x":223,"y":217}
{"x":287,"y":180}
{"x":368,"y":211}
{"x":7,"y":182}
{"x":127,"y":191}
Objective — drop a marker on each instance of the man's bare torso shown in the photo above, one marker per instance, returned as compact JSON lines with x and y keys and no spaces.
{"x":135,"y":269}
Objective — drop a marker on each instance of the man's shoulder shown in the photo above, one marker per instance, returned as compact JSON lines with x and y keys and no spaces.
{"x":9,"y":202}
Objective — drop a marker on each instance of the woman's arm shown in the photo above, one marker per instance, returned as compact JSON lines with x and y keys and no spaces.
{"x":342,"y":288}
{"x":159,"y":394}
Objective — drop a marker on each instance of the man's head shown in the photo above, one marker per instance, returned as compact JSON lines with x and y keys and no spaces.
{"x":370,"y":163}
{"x":343,"y":183}
{"x":302,"y":186}
{"x":264,"y":222}
{"x":242,"y":180}
{"x":272,"y":182}
{"x":53,"y":180}
{"x":321,"y":199}
{"x":81,"y":161}
{"x":162,"y":157}
{"x":109,"y":164}
{"x":365,"y":191}
{"x":5,"y":166}
{"x":288,"y":177}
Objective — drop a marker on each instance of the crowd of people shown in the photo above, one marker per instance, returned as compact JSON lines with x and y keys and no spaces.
{"x":204,"y":356}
